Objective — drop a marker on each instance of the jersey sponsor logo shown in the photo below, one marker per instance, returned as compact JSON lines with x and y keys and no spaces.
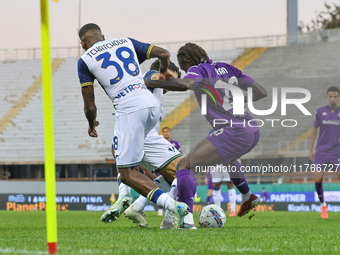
{"x":129,"y":89}
{"x":331,"y":122}
{"x":324,"y":113}
{"x":221,"y":71}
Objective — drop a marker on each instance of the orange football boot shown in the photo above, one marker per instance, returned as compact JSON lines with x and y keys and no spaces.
{"x":324,"y":213}
{"x":232,"y":214}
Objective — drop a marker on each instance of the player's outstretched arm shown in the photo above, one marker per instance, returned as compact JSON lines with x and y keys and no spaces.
{"x":258,"y":92}
{"x":163,"y":55}
{"x":171,"y":84}
{"x":90,"y":109}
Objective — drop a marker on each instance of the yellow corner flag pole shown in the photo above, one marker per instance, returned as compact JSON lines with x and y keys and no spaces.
{"x":51,"y":215}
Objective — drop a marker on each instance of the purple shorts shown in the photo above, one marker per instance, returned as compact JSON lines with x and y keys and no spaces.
{"x":333,"y":161}
{"x":231,"y":145}
{"x":210,"y":183}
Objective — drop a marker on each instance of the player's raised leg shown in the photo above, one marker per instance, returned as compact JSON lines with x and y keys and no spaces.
{"x":205,"y":154}
{"x":232,"y":147}
{"x":249,"y":200}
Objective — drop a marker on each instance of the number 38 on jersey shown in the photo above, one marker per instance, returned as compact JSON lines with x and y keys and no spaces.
{"x":128,"y":63}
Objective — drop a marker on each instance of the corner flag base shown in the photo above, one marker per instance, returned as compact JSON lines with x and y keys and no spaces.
{"x":52,"y":248}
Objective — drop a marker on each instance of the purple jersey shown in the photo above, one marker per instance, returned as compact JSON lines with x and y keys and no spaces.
{"x":329,"y":133}
{"x":264,"y":194}
{"x":176,"y":145}
{"x":206,"y":75}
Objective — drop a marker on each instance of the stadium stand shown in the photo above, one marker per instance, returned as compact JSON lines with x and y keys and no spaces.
{"x":22,"y":139}
{"x":17,"y":76}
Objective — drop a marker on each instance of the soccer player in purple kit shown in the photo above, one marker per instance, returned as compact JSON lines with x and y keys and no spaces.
{"x":166,"y":132}
{"x":228,"y":142}
{"x":264,"y":195}
{"x":327,"y":150}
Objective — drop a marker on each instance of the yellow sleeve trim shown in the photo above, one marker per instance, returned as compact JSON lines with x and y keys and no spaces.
{"x":86,"y":84}
{"x":149,"y":51}
{"x":155,"y":76}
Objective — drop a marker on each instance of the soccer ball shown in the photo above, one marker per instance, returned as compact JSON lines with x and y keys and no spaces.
{"x":211,"y":216}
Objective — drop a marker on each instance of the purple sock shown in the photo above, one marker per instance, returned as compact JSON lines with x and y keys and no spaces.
{"x":319,"y":190}
{"x":186,"y":187}
{"x":208,"y":200}
{"x":240,"y":181}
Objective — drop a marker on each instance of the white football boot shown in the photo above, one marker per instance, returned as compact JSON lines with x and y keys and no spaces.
{"x":113,"y":213}
{"x":181,"y":209}
{"x":137,"y":217}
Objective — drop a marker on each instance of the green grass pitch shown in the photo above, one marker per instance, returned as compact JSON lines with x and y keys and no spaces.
{"x":84,"y":233}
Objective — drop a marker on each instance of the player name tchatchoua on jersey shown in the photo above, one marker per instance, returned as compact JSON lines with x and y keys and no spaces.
{"x":104,"y":47}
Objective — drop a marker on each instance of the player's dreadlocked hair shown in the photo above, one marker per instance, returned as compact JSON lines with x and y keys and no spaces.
{"x":84,"y":29}
{"x":155,"y":66}
{"x":193,"y":53}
